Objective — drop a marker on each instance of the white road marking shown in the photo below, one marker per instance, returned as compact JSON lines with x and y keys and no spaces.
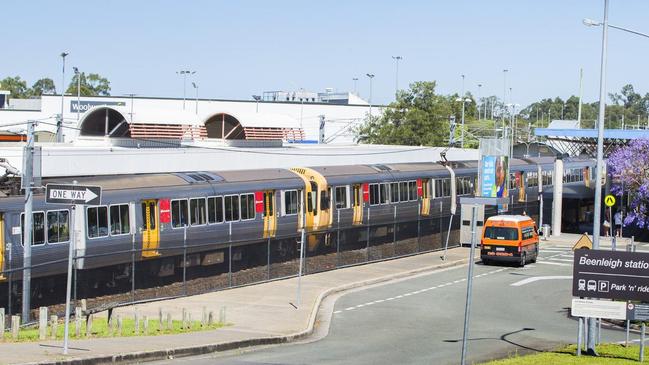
{"x":564,"y":260}
{"x":551,"y":263}
{"x":336,"y":312}
{"x":539,"y":278}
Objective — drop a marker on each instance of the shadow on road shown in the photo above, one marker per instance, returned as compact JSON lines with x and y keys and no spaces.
{"x":504,"y":338}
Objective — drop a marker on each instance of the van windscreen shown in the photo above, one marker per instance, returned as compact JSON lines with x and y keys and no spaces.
{"x":501,"y":233}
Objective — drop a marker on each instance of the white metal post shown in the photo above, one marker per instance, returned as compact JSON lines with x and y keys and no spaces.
{"x":28,"y":156}
{"x":467,"y":308}
{"x":68,"y":291}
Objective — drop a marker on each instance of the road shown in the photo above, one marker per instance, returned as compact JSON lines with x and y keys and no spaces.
{"x":420,"y":320}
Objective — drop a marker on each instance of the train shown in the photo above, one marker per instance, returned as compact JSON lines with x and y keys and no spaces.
{"x":168,"y":221}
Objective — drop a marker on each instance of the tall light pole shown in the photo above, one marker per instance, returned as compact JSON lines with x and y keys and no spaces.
{"x":396,"y":87}
{"x":463,"y":102}
{"x":257,"y":98}
{"x":502,"y":117}
{"x":78,"y":75}
{"x":59,"y":123}
{"x":355,"y":79}
{"x":600,"y":159}
{"x":370,"y":76}
{"x":479,"y":104}
{"x":184,"y":74}
{"x":196,"y":88}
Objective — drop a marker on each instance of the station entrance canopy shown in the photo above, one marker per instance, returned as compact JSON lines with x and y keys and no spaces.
{"x":120,"y":122}
{"x":577,"y":142}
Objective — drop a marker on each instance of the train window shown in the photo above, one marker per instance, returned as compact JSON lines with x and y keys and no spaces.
{"x":512,"y":181}
{"x":375,"y":197}
{"x":385,"y":193}
{"x":290,"y":202}
{"x":215,"y":209}
{"x":247,"y":206}
{"x":231,"y":208}
{"x":342,"y":200}
{"x":119,"y":219}
{"x":403,"y":191}
{"x":424,"y":189}
{"x":438,"y":188}
{"x":58,"y":226}
{"x":394,"y":192}
{"x":324,"y":199}
{"x":412,"y":190}
{"x":97,"y":218}
{"x":38,"y":228}
{"x":197,"y":212}
{"x":179,"y":213}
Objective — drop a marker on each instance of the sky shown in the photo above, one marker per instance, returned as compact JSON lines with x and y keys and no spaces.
{"x":241,"y":48}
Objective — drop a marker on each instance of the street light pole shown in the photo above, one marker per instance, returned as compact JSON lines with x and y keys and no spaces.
{"x":479,"y":104}
{"x":196,"y":87}
{"x":355,"y":79}
{"x":462,"y":97}
{"x":370,"y":76}
{"x":502,"y":117}
{"x":396,"y":88}
{"x":184,"y":73}
{"x":76,"y":72}
{"x":59,"y":123}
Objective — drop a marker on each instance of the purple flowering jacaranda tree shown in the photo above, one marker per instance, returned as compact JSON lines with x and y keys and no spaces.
{"x":628,"y":167}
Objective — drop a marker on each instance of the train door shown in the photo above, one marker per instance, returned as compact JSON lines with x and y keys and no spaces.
{"x":2,"y":245}
{"x":425,"y":196}
{"x":270,"y":219}
{"x":150,"y":230}
{"x":357,"y":204}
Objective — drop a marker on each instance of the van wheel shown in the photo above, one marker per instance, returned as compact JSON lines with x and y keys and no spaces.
{"x":536,"y":255}
{"x":523,"y":259}
{"x":486,"y":262}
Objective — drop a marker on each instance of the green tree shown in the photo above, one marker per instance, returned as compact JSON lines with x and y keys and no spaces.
{"x":91,"y":85}
{"x":42,"y":86}
{"x":417,"y":117}
{"x":16,"y":86}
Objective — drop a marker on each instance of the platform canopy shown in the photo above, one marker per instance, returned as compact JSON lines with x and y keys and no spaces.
{"x":576,"y":141}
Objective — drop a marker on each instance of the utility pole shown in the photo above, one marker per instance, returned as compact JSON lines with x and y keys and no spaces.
{"x":355,"y":79}
{"x":184,"y":74}
{"x":502,"y":117}
{"x":76,"y":72}
{"x":28,"y":174}
{"x":463,"y":103}
{"x":371,"y":76}
{"x":581,"y":77}
{"x":479,"y":104}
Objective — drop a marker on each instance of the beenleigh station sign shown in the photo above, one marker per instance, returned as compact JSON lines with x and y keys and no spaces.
{"x":611,"y":274}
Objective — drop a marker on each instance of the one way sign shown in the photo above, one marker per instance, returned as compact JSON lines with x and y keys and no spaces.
{"x":73,"y":194}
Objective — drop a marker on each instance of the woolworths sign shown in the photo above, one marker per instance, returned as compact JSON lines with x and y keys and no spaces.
{"x":85,"y":105}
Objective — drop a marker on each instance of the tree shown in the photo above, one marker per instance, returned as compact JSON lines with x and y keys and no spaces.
{"x":628,"y":168}
{"x":91,"y":85}
{"x":417,"y":117}
{"x":43,"y":86}
{"x":16,"y":86}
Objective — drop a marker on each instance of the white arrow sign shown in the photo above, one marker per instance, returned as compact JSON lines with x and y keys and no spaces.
{"x":70,"y":194}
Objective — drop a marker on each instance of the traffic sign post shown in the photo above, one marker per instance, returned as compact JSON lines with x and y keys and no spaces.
{"x":78,"y":196}
{"x":609,"y":201}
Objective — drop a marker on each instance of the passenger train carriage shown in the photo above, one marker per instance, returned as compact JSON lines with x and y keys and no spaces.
{"x":155,"y":219}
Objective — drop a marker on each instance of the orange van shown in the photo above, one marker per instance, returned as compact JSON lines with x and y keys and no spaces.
{"x":509,"y":238}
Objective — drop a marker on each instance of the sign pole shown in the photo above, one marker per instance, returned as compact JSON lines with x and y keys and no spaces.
{"x":69,"y":281}
{"x":28,"y":172}
{"x":469,"y":285}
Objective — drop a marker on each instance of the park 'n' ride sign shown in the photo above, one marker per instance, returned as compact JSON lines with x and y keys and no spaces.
{"x":611,"y":274}
{"x":72,"y":194}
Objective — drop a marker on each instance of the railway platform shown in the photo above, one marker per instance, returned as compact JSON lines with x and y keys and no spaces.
{"x":259,"y":314}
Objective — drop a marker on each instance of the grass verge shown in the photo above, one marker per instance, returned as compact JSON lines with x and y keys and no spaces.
{"x":100,"y":328}
{"x":609,"y":354}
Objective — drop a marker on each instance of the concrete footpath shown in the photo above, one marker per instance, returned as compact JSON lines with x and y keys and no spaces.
{"x":257,"y":314}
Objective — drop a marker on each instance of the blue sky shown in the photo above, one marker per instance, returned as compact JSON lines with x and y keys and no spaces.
{"x":240,"y":48}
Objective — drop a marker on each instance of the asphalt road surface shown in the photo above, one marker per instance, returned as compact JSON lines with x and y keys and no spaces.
{"x":420,"y":320}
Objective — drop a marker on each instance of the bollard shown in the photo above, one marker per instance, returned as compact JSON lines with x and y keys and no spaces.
{"x":204,"y":317}
{"x":210,"y":319}
{"x":2,"y":324}
{"x":642,"y":343}
{"x":184,"y":319}
{"x":111,"y":325}
{"x":170,"y":323}
{"x":599,"y":331}
{"x":160,"y":321}
{"x":579,"y":329}
{"x":222,"y":315}
{"x":54,"y":322}
{"x":15,"y":326}
{"x":77,"y":322}
{"x":119,"y":325}
{"x":146,"y":325}
{"x":585,"y":333}
{"x":136,"y":323}
{"x":89,"y":325}
{"x":42,"y":323}
{"x":84,"y":305}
